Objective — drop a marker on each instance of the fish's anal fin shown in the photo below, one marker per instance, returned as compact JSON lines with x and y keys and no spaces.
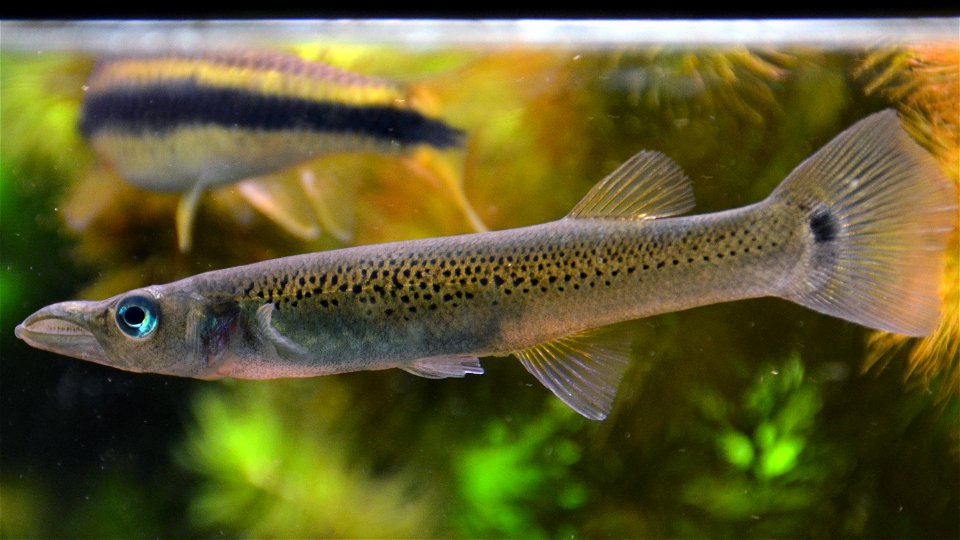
{"x":329,"y":200}
{"x":648,"y":185}
{"x":285,"y":347}
{"x":442,"y":367}
{"x":583,"y":370}
{"x":186,"y":212}
{"x":283,"y":202}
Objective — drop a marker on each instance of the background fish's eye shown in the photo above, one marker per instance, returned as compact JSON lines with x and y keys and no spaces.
{"x":137,"y":316}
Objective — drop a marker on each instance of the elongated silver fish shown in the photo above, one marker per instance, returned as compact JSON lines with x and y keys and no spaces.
{"x":856,"y":231}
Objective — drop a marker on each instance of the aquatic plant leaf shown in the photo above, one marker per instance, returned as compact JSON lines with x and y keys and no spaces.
{"x":781,"y":457}
{"x":737,"y":449}
{"x":285,"y":462}
{"x":518,"y":473}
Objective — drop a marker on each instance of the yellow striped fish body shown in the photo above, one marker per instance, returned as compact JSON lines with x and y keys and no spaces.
{"x":856,"y":231}
{"x":185,"y":123}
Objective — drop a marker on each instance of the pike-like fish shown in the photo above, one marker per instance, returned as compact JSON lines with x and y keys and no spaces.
{"x":856,"y":231}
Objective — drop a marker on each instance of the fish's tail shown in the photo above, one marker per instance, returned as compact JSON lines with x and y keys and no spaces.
{"x":876,"y":216}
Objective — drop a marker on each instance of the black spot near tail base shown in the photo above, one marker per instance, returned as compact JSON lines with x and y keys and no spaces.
{"x":823,"y":226}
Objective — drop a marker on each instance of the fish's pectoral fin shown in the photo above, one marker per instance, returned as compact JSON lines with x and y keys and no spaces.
{"x":283,"y":203}
{"x":583,"y":370}
{"x":186,"y":212}
{"x":648,"y":185}
{"x":442,"y":367}
{"x":286,"y":347}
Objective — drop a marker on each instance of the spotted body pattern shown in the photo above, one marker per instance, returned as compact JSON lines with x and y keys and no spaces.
{"x":856,"y":231}
{"x":518,"y":287}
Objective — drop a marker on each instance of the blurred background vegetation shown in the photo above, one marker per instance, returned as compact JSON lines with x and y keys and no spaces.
{"x":750,"y":419}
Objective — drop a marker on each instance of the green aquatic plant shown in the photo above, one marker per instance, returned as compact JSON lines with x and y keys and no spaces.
{"x":21,"y":507}
{"x":516,"y":473}
{"x":39,"y":151}
{"x":776,"y":415}
{"x":116,"y":507}
{"x":687,"y":83}
{"x":41,"y":95}
{"x":771,"y":466}
{"x":271,"y":466}
{"x":12,"y":279}
{"x":730,"y":116}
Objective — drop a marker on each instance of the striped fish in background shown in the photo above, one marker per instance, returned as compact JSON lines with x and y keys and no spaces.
{"x":174,"y":123}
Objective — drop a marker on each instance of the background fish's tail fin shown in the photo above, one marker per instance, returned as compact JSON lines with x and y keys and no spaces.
{"x":877,"y":214}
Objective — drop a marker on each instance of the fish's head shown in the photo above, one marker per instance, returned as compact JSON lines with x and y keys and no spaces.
{"x":148,"y":330}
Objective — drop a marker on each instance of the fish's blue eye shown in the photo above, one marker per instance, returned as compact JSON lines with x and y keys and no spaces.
{"x":137,"y":316}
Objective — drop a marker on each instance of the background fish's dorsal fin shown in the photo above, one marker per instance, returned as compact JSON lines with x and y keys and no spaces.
{"x":648,"y":185}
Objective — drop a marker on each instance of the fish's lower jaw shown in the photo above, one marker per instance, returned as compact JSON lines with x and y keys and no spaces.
{"x":60,"y":328}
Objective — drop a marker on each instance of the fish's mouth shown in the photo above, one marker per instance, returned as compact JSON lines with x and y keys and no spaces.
{"x":62,"y":329}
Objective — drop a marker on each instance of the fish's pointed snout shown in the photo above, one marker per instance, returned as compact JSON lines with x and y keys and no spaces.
{"x":63,"y":329}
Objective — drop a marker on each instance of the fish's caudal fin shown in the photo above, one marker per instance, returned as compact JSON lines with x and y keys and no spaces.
{"x":876,"y":214}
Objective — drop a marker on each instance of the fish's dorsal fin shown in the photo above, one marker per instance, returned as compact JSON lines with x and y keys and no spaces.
{"x":442,"y":367}
{"x":583,"y":370}
{"x":648,"y":185}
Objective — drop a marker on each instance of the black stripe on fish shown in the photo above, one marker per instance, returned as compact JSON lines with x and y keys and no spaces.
{"x":166,"y":107}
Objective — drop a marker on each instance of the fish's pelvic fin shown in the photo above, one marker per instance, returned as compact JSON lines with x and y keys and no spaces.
{"x":286,"y":347}
{"x":442,"y":367}
{"x":583,"y":370}
{"x":648,"y":185}
{"x":876,"y":213}
{"x":186,"y":212}
{"x":283,"y":202}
